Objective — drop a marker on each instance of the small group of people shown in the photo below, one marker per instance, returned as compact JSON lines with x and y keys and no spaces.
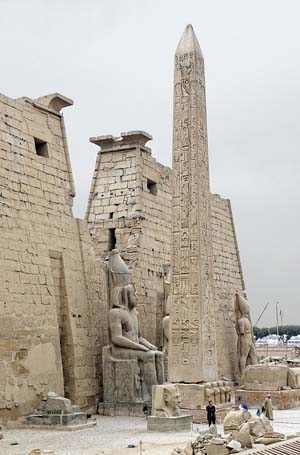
{"x":267,"y":409}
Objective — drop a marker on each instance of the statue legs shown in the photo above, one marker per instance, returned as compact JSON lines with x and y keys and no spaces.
{"x":243,"y":361}
{"x":159,"y":363}
{"x":252,"y":355}
{"x":152,"y":367}
{"x":148,"y":367}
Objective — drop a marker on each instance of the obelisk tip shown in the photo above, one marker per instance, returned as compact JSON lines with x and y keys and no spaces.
{"x":188,"y":42}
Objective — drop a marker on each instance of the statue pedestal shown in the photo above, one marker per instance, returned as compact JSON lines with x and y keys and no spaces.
{"x":123,"y":393}
{"x":170,"y":424}
{"x":67,"y":422}
{"x":57,"y":413}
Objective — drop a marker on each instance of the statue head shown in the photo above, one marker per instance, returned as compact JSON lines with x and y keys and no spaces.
{"x":165,"y":400}
{"x":118,"y":272}
{"x":171,"y":397}
{"x":127,"y":297}
{"x":242,"y":305}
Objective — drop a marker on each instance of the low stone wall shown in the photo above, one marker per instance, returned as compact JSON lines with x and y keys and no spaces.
{"x":282,"y":399}
{"x":281,"y":351}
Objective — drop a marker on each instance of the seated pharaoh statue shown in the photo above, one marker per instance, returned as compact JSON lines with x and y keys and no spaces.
{"x":127,"y":343}
{"x":131,"y":364}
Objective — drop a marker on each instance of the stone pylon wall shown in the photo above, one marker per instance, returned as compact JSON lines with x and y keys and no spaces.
{"x":131,"y":197}
{"x":53,"y":305}
{"x":228,"y":279}
{"x":50,"y":285}
{"x":142,"y":223}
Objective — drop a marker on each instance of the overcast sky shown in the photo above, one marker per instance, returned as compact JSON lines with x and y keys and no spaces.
{"x":114,"y":58}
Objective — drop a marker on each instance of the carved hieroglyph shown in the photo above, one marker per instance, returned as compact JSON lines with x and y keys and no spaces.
{"x":192,"y":356}
{"x":167,"y":304}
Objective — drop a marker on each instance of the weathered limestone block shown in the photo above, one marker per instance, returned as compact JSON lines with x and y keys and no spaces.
{"x":56,"y":404}
{"x":234,"y":446}
{"x":216,"y":447}
{"x":170,"y":424}
{"x":270,"y":438}
{"x":234,"y":419}
{"x":243,"y":436}
{"x":294,"y":378}
{"x":266,"y":377}
{"x":58,"y":411}
{"x":195,"y":396}
{"x":192,"y":395}
{"x":260,"y":426}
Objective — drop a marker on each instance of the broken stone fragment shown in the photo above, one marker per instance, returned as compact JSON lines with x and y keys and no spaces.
{"x":41,"y":452}
{"x":234,"y":446}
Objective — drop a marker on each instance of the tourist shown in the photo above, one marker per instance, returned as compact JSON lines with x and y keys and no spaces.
{"x":145,"y":411}
{"x":268,"y":407}
{"x":240,"y":402}
{"x":245,"y":406}
{"x":211,"y":413}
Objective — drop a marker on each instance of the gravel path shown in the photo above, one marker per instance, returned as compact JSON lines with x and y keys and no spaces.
{"x":109,"y":434}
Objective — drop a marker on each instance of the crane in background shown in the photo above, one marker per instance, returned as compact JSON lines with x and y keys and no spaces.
{"x":266,"y":306}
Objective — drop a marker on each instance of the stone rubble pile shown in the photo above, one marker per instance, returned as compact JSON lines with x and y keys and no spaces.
{"x":209,"y":444}
{"x":241,"y":432}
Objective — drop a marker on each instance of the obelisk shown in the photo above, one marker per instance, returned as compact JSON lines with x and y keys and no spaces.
{"x":192,"y":356}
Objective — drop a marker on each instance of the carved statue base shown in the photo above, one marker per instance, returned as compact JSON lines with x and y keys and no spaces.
{"x":57,"y":413}
{"x":166,"y":414}
{"x":123,"y":391}
{"x":195,"y":398}
{"x":172,"y":424}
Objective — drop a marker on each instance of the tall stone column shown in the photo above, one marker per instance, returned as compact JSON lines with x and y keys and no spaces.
{"x":192,"y":356}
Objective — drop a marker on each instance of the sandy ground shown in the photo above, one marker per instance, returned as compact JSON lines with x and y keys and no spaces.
{"x":113,"y":435}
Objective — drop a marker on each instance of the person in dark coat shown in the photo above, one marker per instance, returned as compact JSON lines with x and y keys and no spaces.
{"x":211,"y":413}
